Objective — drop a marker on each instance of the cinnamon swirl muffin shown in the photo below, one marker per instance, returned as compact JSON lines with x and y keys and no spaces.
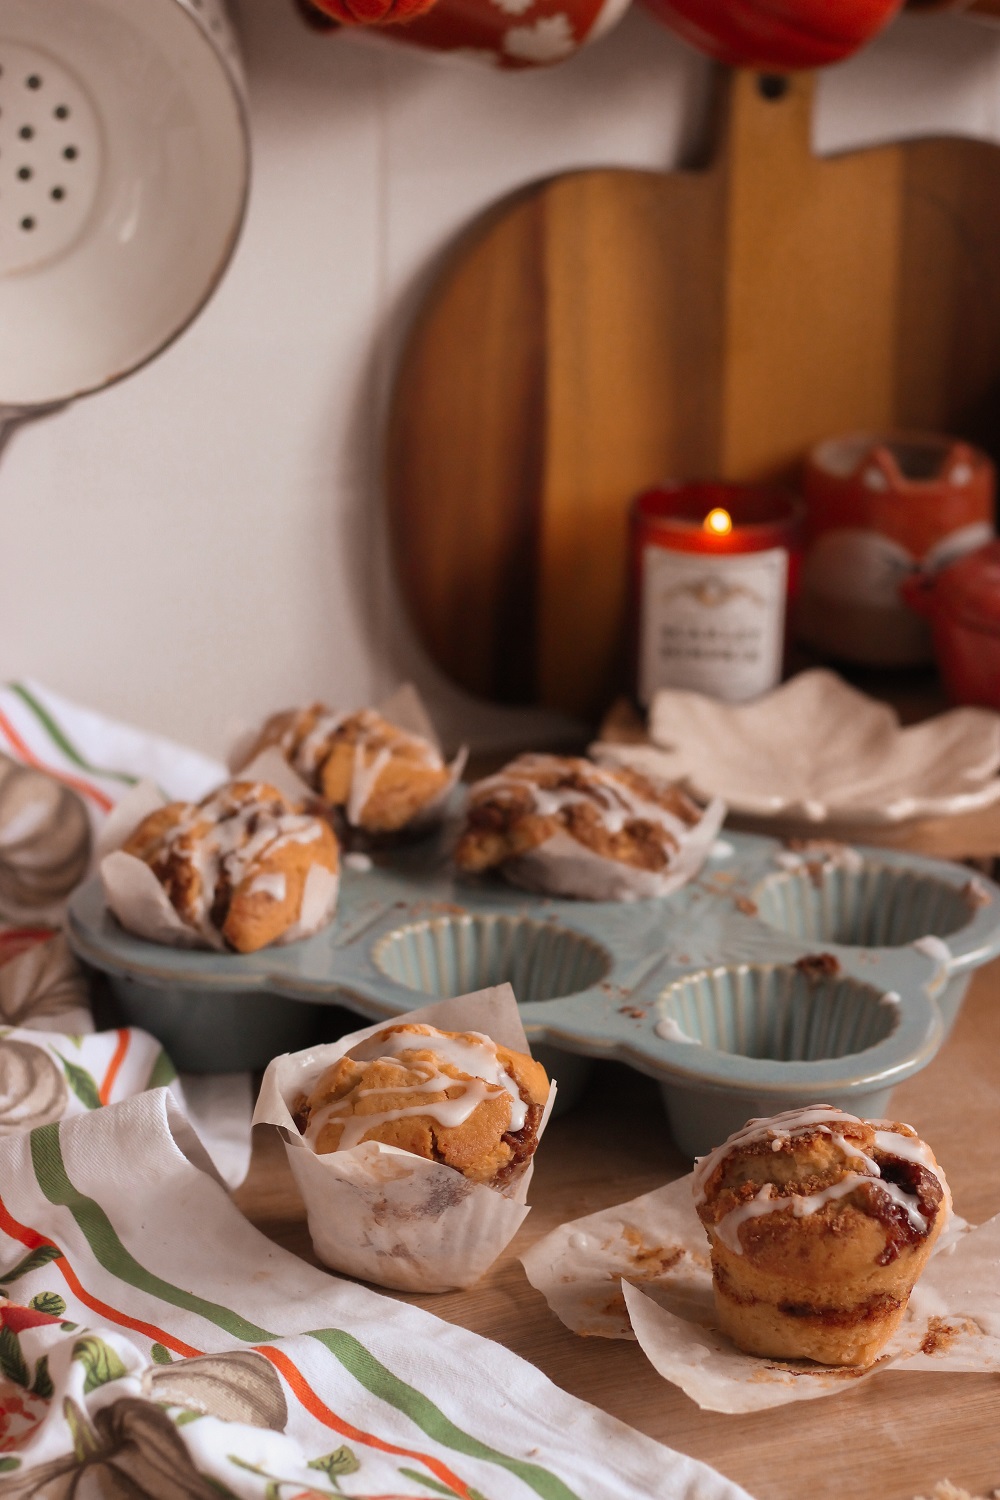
{"x":820,"y":1224}
{"x":613,"y":814}
{"x":244,"y":866}
{"x":455,"y":1097}
{"x":381,"y":778}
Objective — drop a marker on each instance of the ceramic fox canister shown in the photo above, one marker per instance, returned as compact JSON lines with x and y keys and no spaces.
{"x":880,"y":509}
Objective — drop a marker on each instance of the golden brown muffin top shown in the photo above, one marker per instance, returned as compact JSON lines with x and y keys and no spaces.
{"x":455,"y":1097}
{"x":307,"y":737}
{"x":201,"y":852}
{"x":548,"y":784}
{"x":616,"y":812}
{"x":812,"y":1160}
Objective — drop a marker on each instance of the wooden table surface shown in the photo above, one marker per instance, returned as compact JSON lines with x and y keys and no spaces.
{"x":890,"y":1439}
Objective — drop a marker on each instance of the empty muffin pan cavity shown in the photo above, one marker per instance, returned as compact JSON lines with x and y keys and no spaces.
{"x":454,"y":955}
{"x":871,"y":906}
{"x":776,"y":1012}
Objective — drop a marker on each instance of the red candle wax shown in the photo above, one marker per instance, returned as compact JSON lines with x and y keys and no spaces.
{"x":713,"y":567}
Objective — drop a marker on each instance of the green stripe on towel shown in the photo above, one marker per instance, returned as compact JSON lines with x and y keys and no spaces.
{"x":59,"y":738}
{"x":54,"y":1181}
{"x":395,"y":1392}
{"x":97,"y":1229}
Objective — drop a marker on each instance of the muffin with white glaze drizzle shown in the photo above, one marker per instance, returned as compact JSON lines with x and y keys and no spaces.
{"x":243,"y":868}
{"x":381,"y":778}
{"x":820,"y":1224}
{"x":453,"y":1097}
{"x":567,"y":825}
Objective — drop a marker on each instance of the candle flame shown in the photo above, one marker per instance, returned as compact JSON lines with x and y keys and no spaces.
{"x":719,"y":522}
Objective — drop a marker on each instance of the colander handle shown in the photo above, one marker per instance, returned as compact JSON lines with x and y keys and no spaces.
{"x":11,"y":417}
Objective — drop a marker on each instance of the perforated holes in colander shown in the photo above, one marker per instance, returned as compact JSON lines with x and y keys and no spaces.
{"x":50,"y":157}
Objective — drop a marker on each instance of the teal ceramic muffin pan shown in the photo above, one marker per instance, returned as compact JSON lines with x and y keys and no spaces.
{"x":771,"y":981}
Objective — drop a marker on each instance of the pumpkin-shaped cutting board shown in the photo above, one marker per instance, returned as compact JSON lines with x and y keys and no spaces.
{"x":605,"y":330}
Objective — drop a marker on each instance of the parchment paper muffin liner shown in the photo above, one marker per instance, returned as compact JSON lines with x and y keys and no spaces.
{"x":405,"y":709}
{"x":641,"y":1270}
{"x":563,"y":867}
{"x":141,"y":904}
{"x":385,"y":1215}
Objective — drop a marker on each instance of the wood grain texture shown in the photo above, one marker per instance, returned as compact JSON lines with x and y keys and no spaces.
{"x":891,"y":1439}
{"x":607,"y":329}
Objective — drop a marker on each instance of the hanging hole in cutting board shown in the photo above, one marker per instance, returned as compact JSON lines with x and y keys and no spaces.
{"x":772,"y":86}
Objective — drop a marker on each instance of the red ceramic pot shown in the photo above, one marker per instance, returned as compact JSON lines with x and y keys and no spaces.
{"x":776,"y":34}
{"x":963,"y":605}
{"x":496,"y":33}
{"x":362,"y":12}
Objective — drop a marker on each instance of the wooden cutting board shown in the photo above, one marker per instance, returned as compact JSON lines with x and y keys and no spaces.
{"x":604,"y":330}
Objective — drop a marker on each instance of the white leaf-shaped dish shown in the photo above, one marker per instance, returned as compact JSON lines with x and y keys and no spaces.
{"x":817,"y":749}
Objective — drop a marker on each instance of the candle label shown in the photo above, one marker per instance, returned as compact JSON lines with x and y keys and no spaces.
{"x":715,"y":624}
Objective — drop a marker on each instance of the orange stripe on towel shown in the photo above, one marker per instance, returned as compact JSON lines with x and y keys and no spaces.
{"x":85,"y":788}
{"x":34,"y":1241}
{"x":322,"y":1413}
{"x":114,"y":1067}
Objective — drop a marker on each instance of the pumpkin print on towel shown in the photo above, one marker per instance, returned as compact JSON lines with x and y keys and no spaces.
{"x":44,"y":841}
{"x":41,"y":983}
{"x":47,"y":1076}
{"x":33,"y":1088}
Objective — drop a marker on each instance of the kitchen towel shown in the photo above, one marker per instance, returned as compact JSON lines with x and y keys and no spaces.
{"x":162,"y":1346}
{"x":52,"y":1062}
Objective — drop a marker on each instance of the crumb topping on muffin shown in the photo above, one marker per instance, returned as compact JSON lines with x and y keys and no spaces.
{"x":454,"y":1097}
{"x":615,"y":812}
{"x":821,"y":1158}
{"x":236,"y":862}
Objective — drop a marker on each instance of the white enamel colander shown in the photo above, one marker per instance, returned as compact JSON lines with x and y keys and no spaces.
{"x":124,"y":166}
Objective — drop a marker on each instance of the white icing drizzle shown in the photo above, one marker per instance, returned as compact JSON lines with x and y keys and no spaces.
{"x":906,"y":1146}
{"x":934,"y":948}
{"x":766,"y":1201}
{"x":829,"y":855}
{"x":670,"y":1031}
{"x":364,"y":776}
{"x":272,"y":884}
{"x":477,"y":1059}
{"x":849,"y":1149}
{"x":616,"y":802}
{"x":367,"y":733}
{"x":315,"y":744}
{"x":781,"y":1128}
{"x":226,"y":845}
{"x":447,"y":1112}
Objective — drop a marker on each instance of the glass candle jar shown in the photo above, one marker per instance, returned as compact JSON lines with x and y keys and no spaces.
{"x":713,"y":567}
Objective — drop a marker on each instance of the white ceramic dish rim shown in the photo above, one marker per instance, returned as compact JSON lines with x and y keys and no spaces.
{"x":17,"y":407}
{"x":685,"y":761}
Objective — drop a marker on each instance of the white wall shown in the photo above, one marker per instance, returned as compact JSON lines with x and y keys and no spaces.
{"x":202,"y":543}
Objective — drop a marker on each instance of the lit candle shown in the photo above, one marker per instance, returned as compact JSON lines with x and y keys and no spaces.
{"x":713,"y":565}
